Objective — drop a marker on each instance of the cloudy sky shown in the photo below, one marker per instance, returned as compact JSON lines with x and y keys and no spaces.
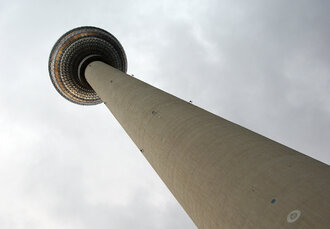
{"x":261,"y":64}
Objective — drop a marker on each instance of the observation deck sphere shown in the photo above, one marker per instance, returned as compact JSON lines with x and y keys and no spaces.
{"x":73,"y":52}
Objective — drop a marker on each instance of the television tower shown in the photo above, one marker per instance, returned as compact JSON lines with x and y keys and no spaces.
{"x":223,"y":175}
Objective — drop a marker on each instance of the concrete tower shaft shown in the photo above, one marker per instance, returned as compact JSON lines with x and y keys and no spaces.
{"x":223,"y":175}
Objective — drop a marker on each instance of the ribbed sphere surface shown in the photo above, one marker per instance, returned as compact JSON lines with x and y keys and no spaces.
{"x":69,"y":52}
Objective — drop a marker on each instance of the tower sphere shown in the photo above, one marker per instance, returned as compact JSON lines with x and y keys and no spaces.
{"x":73,"y":52}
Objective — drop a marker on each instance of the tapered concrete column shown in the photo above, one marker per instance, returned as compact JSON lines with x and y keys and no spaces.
{"x":223,"y":175}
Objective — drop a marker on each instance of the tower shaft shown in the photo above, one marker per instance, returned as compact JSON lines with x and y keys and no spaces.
{"x":223,"y":175}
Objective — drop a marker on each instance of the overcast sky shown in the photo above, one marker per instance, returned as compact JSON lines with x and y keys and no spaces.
{"x":261,"y":64}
